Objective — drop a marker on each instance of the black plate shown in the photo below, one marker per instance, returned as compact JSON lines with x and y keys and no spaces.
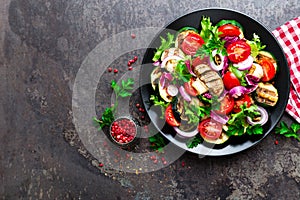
{"x":251,"y":26}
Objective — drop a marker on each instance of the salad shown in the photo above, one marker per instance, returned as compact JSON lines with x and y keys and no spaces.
{"x":212,"y":82}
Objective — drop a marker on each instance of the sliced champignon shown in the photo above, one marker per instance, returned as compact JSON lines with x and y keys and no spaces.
{"x":172,"y":52}
{"x":266,"y":94}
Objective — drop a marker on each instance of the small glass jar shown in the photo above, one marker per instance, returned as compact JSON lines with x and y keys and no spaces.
{"x":123,"y":131}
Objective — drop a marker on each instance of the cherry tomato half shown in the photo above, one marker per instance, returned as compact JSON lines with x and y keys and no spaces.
{"x":226,"y":105}
{"x":268,"y":69}
{"x":170,"y":119}
{"x":210,"y":129}
{"x":230,"y":80}
{"x":229,"y":30}
{"x":238,"y":51}
{"x":240,"y":101}
{"x":190,"y":89}
{"x":191,"y":43}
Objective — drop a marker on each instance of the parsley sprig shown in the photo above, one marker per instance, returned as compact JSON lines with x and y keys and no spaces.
{"x":158,"y":142}
{"x":123,"y":90}
{"x":285,"y":130}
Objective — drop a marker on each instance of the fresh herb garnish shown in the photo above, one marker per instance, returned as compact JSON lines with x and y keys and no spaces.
{"x":123,"y":91}
{"x":165,"y":44}
{"x":285,"y":130}
{"x":195,"y":113}
{"x":158,"y":142}
{"x":106,"y":119}
{"x":194,"y":142}
{"x":255,"y":45}
{"x":181,"y":72}
{"x":158,"y":102}
{"x":239,"y":125}
{"x":210,"y":35}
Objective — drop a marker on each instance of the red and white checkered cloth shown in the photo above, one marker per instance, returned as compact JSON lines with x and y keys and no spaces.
{"x":288,"y":35}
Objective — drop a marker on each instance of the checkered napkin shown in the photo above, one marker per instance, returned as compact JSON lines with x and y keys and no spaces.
{"x":288,"y":36}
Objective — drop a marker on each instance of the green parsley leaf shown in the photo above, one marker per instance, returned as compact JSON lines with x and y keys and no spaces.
{"x":106,"y":119}
{"x":285,"y":130}
{"x":158,"y":142}
{"x":210,"y":35}
{"x":162,"y":104}
{"x":194,"y":142}
{"x":238,"y":124}
{"x":165,"y":44}
{"x":181,"y":72}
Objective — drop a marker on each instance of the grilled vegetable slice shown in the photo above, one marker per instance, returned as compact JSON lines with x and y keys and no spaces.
{"x":211,"y":79}
{"x":266,"y":94}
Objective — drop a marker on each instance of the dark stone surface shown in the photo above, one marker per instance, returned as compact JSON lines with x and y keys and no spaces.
{"x":43,"y":44}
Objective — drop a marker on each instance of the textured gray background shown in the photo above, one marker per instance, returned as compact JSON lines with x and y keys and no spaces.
{"x":44,"y":42}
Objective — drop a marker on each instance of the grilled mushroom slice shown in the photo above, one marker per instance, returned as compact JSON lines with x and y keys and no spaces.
{"x":266,"y":94}
{"x":211,"y":78}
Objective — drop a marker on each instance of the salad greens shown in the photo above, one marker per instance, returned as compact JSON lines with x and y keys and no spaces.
{"x":165,"y":44}
{"x":219,"y":79}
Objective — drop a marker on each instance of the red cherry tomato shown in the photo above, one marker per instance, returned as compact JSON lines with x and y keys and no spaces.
{"x":229,"y":30}
{"x":226,"y":105}
{"x":190,"y":89}
{"x":240,"y":101}
{"x":170,"y":119}
{"x":230,"y":80}
{"x":191,"y":43}
{"x":238,"y":51}
{"x":209,"y":129}
{"x":268,"y":69}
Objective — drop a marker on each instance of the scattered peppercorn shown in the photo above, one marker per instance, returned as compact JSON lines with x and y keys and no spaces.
{"x":116,"y":70}
{"x":183,"y":164}
{"x":109,"y":69}
{"x":276,"y":142}
{"x":101,"y":164}
{"x":130,"y":68}
{"x":133,"y":35}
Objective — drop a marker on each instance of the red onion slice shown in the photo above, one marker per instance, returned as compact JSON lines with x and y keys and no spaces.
{"x":238,"y":91}
{"x":223,"y":119}
{"x":156,"y":64}
{"x":172,"y":90}
{"x":263,"y":114}
{"x":188,"y":65}
{"x":164,"y":62}
{"x":184,"y":133}
{"x":244,"y":65}
{"x":184,"y":94}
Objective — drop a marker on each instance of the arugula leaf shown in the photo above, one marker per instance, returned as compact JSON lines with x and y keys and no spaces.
{"x":194,"y":142}
{"x":285,"y":130}
{"x":255,"y":45}
{"x":165,"y":44}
